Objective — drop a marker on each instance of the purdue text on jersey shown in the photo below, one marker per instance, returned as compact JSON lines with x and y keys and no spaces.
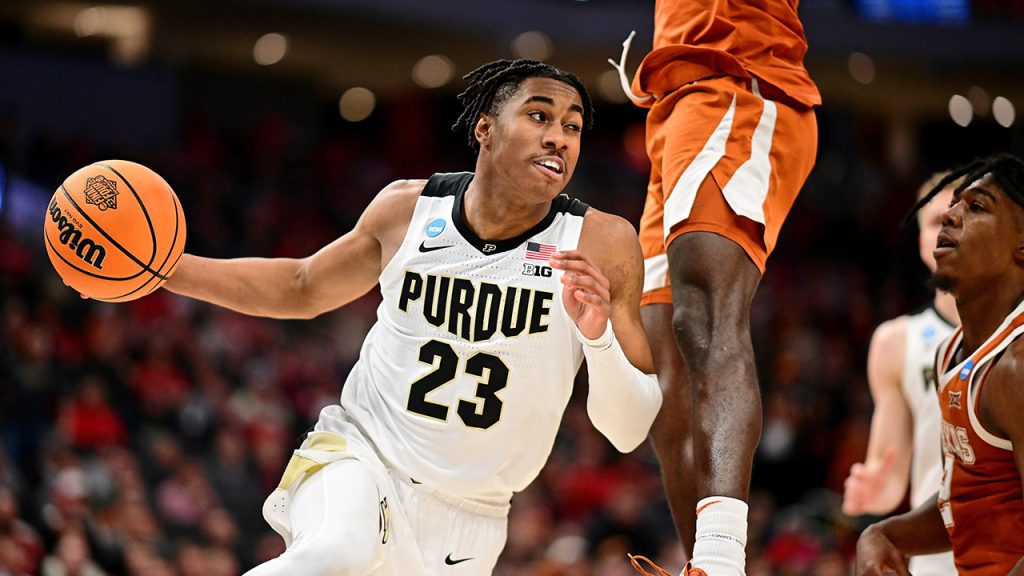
{"x":476,"y":311}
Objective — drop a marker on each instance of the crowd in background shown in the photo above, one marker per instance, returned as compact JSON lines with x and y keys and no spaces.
{"x":142,"y":438}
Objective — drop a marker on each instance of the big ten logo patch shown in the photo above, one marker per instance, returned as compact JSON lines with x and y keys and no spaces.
{"x":384,"y":526}
{"x":536,"y":270}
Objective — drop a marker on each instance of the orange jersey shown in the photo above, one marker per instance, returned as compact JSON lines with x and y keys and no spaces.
{"x":695,"y":39}
{"x":980,"y":498}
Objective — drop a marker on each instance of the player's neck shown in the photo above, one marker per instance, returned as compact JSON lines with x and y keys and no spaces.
{"x":497,"y":214}
{"x":982,"y":314}
{"x":945,"y":305}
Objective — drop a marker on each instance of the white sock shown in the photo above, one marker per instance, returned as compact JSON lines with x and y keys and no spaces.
{"x":720,"y":548}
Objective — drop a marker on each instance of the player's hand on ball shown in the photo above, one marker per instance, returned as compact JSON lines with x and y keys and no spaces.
{"x":585,"y":292}
{"x":80,"y":295}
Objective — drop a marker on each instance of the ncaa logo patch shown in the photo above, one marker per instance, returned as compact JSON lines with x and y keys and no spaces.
{"x":435,"y":227}
{"x":966,"y":370}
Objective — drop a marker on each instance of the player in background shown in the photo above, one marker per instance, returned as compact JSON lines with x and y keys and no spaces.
{"x":905,"y":444}
{"x":732,"y":136}
{"x":495,"y":289}
{"x":978,"y":510}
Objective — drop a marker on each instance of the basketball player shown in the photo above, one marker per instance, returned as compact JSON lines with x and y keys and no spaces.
{"x":904,"y":444}
{"x":732,"y":135}
{"x":495,"y":289}
{"x":979,"y":258}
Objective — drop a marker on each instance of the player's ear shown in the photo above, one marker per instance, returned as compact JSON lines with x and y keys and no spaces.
{"x":483,"y":130}
{"x":1018,"y":251}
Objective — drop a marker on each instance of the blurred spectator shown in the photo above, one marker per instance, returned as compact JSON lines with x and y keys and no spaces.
{"x":88,"y":421}
{"x":24,"y":549}
{"x":626,"y":520}
{"x":72,"y":558}
{"x":141,"y":560}
{"x":12,"y":558}
{"x":159,"y":384}
{"x":67,"y":506}
{"x":184,"y":499}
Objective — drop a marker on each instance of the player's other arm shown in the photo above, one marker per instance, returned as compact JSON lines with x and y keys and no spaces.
{"x":877,"y":485}
{"x":1000,"y":405}
{"x":306,"y":287}
{"x":603,"y":281}
{"x":883,"y":548}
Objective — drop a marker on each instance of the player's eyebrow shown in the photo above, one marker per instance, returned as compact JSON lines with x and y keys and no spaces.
{"x":978,"y":187}
{"x":551,"y":102}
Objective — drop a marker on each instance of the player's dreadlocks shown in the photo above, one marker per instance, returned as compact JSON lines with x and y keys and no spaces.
{"x":1006,"y":170}
{"x":492,"y":84}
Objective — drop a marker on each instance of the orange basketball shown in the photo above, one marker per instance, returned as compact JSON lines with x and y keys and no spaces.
{"x":114,"y":231}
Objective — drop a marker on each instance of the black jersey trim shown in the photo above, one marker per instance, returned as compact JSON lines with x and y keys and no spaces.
{"x":446,"y":184}
{"x":456,"y":184}
{"x":574,"y":207}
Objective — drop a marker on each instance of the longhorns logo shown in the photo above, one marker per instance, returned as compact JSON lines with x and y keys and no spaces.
{"x":101,"y":192}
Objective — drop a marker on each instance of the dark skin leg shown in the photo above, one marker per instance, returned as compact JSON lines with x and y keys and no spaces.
{"x":713,"y":284}
{"x":670,"y":434}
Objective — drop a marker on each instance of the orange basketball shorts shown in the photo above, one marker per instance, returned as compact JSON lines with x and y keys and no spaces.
{"x":725,"y":160}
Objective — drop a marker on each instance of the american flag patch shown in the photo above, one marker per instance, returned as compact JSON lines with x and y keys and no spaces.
{"x":537,"y":251}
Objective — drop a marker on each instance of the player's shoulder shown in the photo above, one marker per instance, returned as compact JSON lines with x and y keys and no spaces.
{"x":887,"y":351}
{"x":606,"y":228}
{"x":1003,"y":379}
{"x":891,"y":332}
{"x":612,"y":243}
{"x":398,"y":194}
{"x":393,"y":206}
{"x":1002,"y":397}
{"x":1011,"y":362}
{"x":403,"y":190}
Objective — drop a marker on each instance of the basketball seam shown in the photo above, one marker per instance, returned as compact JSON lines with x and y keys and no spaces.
{"x":131,"y":256}
{"x":178,"y":212}
{"x":142,"y":205}
{"x":174,"y":243}
{"x":173,"y":266}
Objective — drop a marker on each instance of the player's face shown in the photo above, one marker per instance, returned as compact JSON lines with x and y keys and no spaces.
{"x":979,"y":240}
{"x":537,"y":134}
{"x":929,"y":221}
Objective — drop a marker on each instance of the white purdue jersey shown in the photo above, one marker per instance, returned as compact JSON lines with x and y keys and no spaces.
{"x":925,"y":331}
{"x":462,"y":382}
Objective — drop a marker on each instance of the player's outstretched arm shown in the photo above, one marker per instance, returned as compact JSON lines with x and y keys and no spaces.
{"x":999,"y":409}
{"x":305,"y":287}
{"x":602,"y":281}
{"x":877,"y":485}
{"x":884,"y":547}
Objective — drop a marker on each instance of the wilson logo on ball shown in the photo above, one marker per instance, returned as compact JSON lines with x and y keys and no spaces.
{"x":101,"y":192}
{"x":88,"y":250}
